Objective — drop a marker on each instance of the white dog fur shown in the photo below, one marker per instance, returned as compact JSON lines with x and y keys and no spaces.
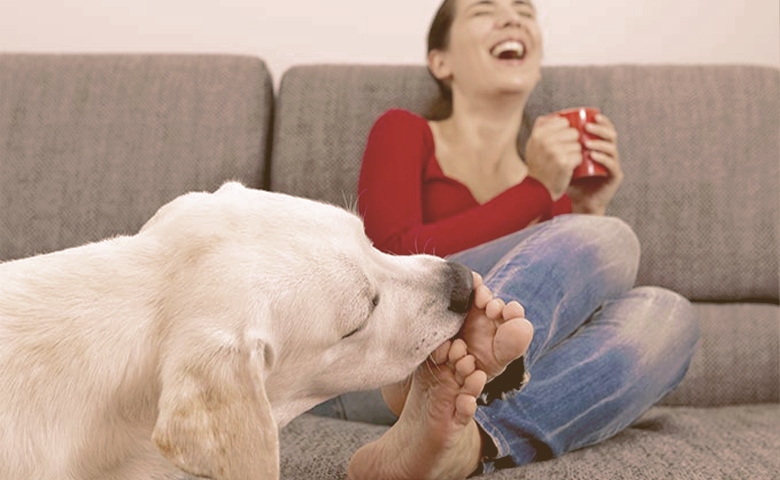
{"x":188,"y":345}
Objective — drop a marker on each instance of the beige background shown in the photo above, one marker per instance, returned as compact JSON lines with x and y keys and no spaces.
{"x":288,"y":32}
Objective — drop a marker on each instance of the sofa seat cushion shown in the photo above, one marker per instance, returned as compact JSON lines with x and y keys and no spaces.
{"x":668,"y":442}
{"x":737,"y":360}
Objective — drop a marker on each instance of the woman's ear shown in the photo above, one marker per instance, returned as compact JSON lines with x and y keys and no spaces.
{"x":215,"y":419}
{"x":439,"y":66}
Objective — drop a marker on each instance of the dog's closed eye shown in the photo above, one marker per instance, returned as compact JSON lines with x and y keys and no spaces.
{"x":353,"y":332}
{"x":374,"y":303}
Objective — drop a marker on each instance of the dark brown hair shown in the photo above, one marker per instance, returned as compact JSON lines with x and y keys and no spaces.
{"x":439,"y":39}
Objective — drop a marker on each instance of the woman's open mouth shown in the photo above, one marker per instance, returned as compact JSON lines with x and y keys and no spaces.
{"x":509,"y":50}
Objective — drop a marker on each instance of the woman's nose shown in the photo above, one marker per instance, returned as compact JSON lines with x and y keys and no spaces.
{"x":508,"y":17}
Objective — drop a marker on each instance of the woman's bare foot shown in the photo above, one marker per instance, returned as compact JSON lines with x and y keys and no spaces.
{"x":435,"y":437}
{"x":495,"y":334}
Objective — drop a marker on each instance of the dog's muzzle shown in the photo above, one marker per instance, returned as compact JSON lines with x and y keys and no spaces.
{"x":462,"y":288}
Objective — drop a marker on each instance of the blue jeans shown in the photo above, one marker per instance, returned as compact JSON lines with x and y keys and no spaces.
{"x":603,"y":351}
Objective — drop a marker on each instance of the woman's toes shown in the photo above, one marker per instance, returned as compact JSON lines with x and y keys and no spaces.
{"x":458,"y":350}
{"x":474,"y":383}
{"x":465,"y":367}
{"x":477,"y":279}
{"x":482,"y":295}
{"x":441,"y":354}
{"x":494,"y":308}
{"x":512,"y":340}
{"x":465,"y":408}
{"x":466,"y":403}
{"x":512,"y":310}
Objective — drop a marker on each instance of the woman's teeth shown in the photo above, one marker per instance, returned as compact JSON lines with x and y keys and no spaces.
{"x":509,"y":50}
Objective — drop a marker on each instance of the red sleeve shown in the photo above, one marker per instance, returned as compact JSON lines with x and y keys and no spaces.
{"x":390,"y":196}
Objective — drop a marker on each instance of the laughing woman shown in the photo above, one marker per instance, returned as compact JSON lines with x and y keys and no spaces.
{"x":455,"y":184}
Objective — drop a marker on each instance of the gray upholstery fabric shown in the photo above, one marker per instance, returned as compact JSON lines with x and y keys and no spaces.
{"x":324,"y":116}
{"x":92,"y":145}
{"x":737,"y":443}
{"x":737,"y":360}
{"x":700,"y":149}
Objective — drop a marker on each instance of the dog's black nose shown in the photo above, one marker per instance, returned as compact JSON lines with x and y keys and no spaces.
{"x":462,"y":293}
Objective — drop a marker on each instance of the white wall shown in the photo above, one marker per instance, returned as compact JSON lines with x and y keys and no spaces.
{"x":288,"y":32}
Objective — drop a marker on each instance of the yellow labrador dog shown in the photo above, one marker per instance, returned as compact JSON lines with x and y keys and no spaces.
{"x":188,"y":345}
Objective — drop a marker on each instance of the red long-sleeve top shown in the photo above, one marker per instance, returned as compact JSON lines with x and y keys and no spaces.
{"x":410,"y":206}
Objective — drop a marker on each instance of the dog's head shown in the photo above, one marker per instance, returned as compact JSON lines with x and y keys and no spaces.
{"x":273,"y":304}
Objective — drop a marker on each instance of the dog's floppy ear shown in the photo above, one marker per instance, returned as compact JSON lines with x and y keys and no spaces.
{"x":214,"y":417}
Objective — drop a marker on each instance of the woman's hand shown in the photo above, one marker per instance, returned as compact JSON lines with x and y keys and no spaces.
{"x":593,"y":196}
{"x":552,"y":153}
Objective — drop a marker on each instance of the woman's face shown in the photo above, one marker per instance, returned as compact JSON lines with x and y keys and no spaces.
{"x":495,"y":46}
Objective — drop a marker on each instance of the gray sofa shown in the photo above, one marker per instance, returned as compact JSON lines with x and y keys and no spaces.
{"x":92,"y":145}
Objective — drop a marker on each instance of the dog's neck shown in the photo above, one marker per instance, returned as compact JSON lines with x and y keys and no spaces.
{"x":285,"y":412}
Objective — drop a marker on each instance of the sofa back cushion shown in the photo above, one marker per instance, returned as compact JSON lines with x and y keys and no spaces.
{"x":92,"y":145}
{"x":700,"y":147}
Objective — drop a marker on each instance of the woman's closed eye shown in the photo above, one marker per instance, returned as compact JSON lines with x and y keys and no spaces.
{"x":485,"y":7}
{"x":526,"y":11}
{"x":482,"y":12}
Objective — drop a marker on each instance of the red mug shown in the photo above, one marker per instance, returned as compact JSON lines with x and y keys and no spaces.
{"x":577,"y":118}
